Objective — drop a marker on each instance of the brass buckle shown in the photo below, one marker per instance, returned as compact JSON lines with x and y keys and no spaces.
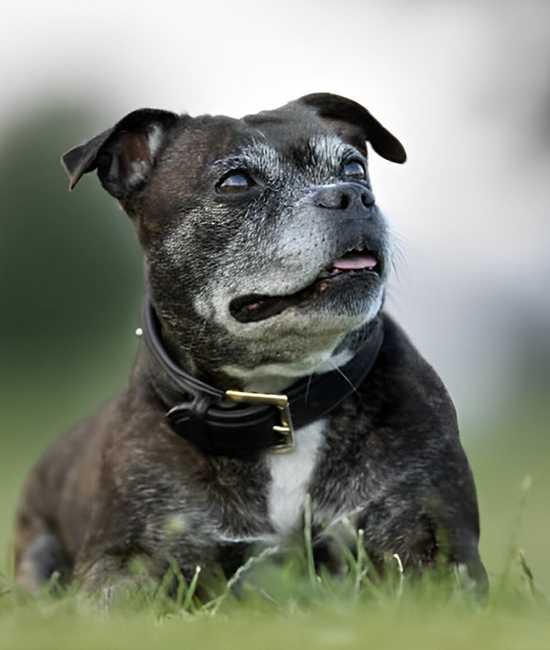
{"x":281,"y":402}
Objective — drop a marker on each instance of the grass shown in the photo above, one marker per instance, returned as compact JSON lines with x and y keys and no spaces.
{"x":289,"y":610}
{"x":288,"y":605}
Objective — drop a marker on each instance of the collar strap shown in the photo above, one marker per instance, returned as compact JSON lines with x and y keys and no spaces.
{"x":237,"y":423}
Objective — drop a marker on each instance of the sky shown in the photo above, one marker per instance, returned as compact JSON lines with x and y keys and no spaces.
{"x":464,"y":84}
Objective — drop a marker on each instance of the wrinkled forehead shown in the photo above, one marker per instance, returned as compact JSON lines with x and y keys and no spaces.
{"x":271,"y":140}
{"x":284,"y":133}
{"x":296,"y":135}
{"x":277,"y":144}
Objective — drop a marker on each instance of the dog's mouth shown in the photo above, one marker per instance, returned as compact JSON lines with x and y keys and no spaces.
{"x":255,"y":307}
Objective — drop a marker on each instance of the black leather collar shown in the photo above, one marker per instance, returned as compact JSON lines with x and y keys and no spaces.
{"x":241,"y":424}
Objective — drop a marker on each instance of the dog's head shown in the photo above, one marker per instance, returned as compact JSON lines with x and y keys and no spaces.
{"x":266,"y":253}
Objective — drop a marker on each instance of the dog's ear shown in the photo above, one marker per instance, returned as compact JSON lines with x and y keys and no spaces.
{"x":124,"y":154}
{"x":351,"y":120}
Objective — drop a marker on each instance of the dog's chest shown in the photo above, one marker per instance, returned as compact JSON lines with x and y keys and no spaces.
{"x":290,"y":477}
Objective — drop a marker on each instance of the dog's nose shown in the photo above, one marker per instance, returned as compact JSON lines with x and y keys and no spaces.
{"x":344,"y":196}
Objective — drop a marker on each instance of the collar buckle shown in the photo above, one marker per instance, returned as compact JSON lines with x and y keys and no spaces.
{"x":285,"y":429}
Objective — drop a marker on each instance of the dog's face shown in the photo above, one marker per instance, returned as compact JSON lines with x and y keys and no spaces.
{"x":266,"y":253}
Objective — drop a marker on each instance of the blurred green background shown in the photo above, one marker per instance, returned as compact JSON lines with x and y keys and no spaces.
{"x":70,"y":287}
{"x":70,"y":292}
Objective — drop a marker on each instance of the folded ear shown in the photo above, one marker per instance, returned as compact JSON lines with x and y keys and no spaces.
{"x":348,"y":116}
{"x":124,"y":154}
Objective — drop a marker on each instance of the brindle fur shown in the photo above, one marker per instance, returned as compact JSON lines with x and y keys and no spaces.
{"x":121,"y":485}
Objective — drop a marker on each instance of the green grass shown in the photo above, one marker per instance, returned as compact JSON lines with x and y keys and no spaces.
{"x":289,"y":606}
{"x":288,"y":610}
{"x":245,"y":629}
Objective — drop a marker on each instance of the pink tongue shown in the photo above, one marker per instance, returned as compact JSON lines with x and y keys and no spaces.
{"x":354,"y":261}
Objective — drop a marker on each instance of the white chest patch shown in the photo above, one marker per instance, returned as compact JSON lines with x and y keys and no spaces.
{"x":290,"y":476}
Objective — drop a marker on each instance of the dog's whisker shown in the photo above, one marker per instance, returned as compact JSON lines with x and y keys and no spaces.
{"x":310,"y":378}
{"x":342,"y":374}
{"x":399,"y":260}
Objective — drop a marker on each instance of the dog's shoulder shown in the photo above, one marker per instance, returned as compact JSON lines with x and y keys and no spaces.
{"x":403,"y":376}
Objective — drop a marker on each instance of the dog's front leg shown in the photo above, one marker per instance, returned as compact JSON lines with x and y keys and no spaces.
{"x":412,"y":541}
{"x":122,"y":571}
{"x":131,"y":546}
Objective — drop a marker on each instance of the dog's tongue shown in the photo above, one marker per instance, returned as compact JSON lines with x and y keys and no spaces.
{"x":355,"y":261}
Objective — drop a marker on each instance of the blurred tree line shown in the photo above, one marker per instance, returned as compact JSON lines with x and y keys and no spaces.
{"x":71,"y":285}
{"x":70,"y":273}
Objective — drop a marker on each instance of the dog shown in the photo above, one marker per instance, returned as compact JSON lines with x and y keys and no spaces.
{"x":267,"y":371}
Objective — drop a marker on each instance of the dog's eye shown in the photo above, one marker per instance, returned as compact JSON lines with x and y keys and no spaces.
{"x":233,"y":182}
{"x":356,"y":170}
